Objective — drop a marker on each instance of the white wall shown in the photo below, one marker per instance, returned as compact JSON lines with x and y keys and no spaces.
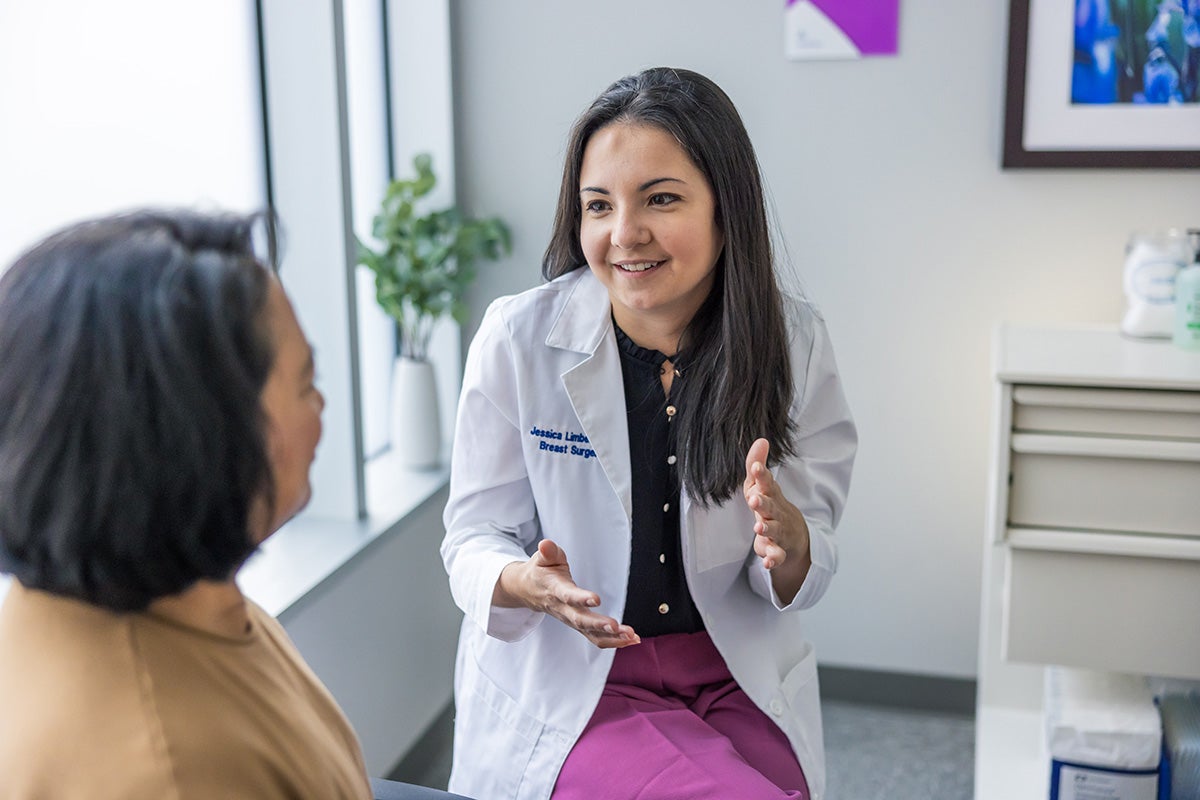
{"x":381,"y":634}
{"x":886,"y":181}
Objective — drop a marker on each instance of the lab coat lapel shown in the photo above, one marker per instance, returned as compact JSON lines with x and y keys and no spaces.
{"x":594,"y":385}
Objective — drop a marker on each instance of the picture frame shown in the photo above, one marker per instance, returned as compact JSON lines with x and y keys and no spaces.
{"x":1044,"y":128}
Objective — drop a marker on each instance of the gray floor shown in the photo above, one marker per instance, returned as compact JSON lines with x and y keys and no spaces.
{"x":871,"y":753}
{"x":876,"y":752}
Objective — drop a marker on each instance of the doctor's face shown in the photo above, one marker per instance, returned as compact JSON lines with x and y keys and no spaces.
{"x":648,"y":227}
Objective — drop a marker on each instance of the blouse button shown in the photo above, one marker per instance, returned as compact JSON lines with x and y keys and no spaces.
{"x":670,"y":459}
{"x":666,"y":506}
{"x":664,"y":608}
{"x":662,"y":558}
{"x":670,"y":411}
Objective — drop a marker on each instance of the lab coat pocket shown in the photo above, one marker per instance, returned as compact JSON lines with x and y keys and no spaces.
{"x":503,"y":736}
{"x":721,"y":535}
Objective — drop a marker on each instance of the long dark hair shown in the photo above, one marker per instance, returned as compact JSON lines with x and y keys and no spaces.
{"x":739,"y":382}
{"x":133,"y":352}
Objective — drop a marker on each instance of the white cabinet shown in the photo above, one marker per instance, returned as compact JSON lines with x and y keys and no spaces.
{"x":1092,"y":555}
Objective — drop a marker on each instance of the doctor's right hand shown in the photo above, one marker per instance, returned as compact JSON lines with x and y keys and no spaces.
{"x":544,"y":583}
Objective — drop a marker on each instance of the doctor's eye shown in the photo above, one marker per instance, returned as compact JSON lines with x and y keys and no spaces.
{"x":595,"y":206}
{"x":663,"y":199}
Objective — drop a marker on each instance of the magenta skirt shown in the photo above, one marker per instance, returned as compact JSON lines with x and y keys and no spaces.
{"x":672,"y":724}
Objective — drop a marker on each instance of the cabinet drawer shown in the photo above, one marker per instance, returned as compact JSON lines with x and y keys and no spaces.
{"x":1071,"y":482}
{"x":1107,"y":612}
{"x":1107,"y":412}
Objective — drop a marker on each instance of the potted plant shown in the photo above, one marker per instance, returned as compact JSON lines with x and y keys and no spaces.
{"x":423,"y":264}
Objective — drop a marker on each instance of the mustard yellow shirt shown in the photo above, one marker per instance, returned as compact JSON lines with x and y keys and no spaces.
{"x":97,"y":705}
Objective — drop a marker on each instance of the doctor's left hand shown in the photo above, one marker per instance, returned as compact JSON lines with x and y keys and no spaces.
{"x":780,"y":532}
{"x":544,"y":583}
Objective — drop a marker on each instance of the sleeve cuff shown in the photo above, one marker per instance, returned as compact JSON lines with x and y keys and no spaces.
{"x":820,"y":574}
{"x":505,"y":624}
{"x":512,"y":624}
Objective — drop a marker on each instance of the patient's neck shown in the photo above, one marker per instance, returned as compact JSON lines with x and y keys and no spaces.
{"x":212,"y":606}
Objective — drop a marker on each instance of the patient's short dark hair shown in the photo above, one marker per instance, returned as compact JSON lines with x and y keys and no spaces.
{"x":133,"y":351}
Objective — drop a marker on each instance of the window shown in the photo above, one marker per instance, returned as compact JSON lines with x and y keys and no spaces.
{"x":138,"y":102}
{"x":328,"y":147}
{"x":133,"y":117}
{"x":370,"y":170}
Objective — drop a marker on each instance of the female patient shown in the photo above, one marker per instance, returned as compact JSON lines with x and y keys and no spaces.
{"x":157,"y":422}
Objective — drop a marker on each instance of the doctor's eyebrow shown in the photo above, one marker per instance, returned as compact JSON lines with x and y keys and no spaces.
{"x":641,"y":188}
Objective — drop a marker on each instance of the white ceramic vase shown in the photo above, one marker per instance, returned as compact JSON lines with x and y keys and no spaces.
{"x":415,"y":424}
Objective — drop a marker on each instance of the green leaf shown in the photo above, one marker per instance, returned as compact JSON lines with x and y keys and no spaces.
{"x":425,"y":260}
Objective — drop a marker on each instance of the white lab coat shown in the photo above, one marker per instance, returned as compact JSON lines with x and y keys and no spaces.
{"x":542,"y":451}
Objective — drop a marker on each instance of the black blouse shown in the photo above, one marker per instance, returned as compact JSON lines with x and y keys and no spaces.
{"x":658,"y":600}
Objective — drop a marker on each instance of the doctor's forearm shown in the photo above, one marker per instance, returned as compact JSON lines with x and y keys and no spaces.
{"x":788,"y":577}
{"x":505,"y":595}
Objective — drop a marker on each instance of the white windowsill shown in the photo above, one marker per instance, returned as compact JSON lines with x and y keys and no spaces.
{"x":307,"y":551}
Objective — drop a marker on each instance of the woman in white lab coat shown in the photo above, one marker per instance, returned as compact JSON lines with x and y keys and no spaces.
{"x":652,"y":452}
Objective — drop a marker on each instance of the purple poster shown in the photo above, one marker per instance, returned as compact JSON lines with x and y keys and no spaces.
{"x":823,"y":29}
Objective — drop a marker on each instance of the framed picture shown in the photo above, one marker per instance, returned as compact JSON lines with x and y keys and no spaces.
{"x":1103,"y":83}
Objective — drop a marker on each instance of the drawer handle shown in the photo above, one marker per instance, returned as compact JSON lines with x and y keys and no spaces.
{"x":1108,"y":544}
{"x":1044,"y":444}
{"x":1113,"y":399}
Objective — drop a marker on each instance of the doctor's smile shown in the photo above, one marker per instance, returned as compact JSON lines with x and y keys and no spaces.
{"x":637,"y":267}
